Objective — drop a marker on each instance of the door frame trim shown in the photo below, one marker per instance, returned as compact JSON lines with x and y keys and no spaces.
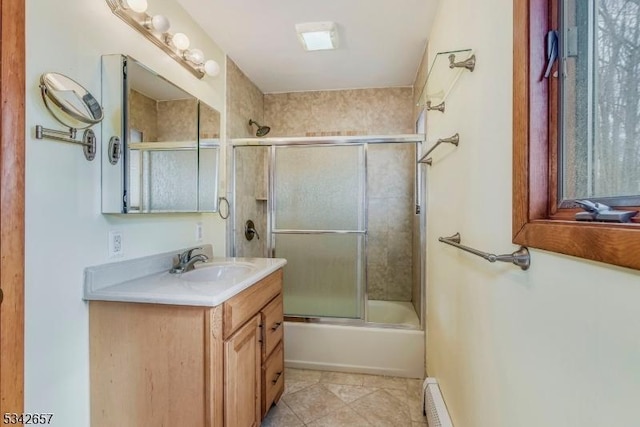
{"x":12,"y":196}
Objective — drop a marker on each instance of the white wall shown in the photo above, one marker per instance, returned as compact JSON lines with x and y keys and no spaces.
{"x":557,"y":345}
{"x":65,"y":231}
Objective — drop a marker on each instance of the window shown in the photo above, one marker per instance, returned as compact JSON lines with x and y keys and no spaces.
{"x":577,"y":135}
{"x":600,"y":101}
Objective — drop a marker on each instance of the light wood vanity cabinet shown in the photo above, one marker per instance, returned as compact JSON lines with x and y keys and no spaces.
{"x":269,"y":371}
{"x":242,"y":376}
{"x":165,"y":365}
{"x":272,"y":354}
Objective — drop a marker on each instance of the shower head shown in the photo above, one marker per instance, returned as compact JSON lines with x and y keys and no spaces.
{"x":262,"y":130}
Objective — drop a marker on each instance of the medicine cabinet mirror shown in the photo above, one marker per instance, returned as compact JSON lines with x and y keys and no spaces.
{"x":160,"y":144}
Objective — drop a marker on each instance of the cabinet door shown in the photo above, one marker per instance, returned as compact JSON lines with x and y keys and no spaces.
{"x":242,"y":376}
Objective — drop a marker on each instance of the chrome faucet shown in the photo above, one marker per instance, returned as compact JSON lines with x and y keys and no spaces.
{"x":186,"y":261}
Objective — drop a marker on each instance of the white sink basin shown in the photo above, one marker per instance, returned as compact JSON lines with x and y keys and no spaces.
{"x":218,"y":272}
{"x":209,"y":284}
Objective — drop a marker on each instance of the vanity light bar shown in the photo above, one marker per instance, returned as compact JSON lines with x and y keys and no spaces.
{"x":156,"y":29}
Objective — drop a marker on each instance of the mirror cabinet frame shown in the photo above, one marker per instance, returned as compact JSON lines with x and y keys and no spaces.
{"x":116,"y":138}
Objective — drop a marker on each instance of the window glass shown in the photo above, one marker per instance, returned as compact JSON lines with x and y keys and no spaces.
{"x":600,"y":100}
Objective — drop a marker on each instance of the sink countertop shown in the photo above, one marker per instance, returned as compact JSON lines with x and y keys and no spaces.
{"x":161,"y":287}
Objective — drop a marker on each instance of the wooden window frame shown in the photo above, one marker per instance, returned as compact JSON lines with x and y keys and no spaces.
{"x":536,"y":221}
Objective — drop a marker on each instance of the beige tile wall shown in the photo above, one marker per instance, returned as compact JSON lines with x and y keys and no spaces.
{"x":250,"y":200}
{"x":244,"y":102}
{"x":382,"y":111}
{"x":143,"y":114}
{"x":390,"y":189}
{"x":178,"y":120}
{"x":209,"y":122}
{"x":175,"y":120}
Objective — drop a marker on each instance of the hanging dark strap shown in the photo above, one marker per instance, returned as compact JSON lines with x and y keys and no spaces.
{"x":552,"y":52}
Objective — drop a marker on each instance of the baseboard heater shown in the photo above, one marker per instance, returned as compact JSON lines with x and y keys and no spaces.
{"x":433,"y":405}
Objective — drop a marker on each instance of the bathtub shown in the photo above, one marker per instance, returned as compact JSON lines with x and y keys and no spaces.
{"x":393,"y":312}
{"x":361,"y":349}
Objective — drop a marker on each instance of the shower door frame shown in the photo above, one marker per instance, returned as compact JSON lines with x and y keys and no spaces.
{"x":420,"y":195}
{"x":361,"y":290}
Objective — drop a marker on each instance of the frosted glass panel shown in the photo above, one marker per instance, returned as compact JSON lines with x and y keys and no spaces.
{"x":135,"y":177}
{"x":323,"y":274}
{"x":319,"y":188}
{"x":208,"y":178}
{"x":161,"y":170}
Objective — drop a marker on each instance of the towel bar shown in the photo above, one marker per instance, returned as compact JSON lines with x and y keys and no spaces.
{"x":521,"y":257}
{"x":455,"y":140}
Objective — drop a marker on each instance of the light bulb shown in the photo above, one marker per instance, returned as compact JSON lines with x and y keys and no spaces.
{"x":159,"y":23}
{"x":180,"y":41}
{"x":139,"y":6}
{"x":212,"y":68}
{"x":194,"y":55}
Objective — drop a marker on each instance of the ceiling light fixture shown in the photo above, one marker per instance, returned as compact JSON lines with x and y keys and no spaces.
{"x":194,"y":55}
{"x":211,"y":67}
{"x":178,"y":40}
{"x":156,"y":29}
{"x":159,"y":23}
{"x":139,"y":6}
{"x":318,"y":35}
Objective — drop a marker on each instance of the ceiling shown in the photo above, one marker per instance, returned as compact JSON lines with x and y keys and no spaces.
{"x":380,"y":41}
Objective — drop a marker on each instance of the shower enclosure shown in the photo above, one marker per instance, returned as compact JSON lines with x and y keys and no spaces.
{"x":318,"y":224}
{"x":345,"y":214}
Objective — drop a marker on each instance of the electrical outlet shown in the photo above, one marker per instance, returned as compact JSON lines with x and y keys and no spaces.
{"x":116,"y":249}
{"x":199,"y":234}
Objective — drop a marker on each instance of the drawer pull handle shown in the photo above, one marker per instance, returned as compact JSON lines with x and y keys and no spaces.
{"x":276,"y":326}
{"x":275,"y":380}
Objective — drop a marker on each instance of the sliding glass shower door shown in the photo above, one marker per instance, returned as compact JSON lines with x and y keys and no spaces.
{"x":318,"y":224}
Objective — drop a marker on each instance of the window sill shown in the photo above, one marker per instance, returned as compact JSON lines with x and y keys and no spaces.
{"x":568,"y":215}
{"x":617,"y":244}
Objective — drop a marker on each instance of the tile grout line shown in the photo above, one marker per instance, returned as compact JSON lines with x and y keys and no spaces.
{"x":293,"y":412}
{"x":396,"y":389}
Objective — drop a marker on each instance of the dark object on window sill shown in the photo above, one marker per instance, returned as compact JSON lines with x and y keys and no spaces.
{"x":595,"y":211}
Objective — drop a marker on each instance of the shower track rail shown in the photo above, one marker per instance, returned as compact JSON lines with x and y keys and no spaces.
{"x":283,"y":231}
{"x":521,"y":257}
{"x":328,"y":140}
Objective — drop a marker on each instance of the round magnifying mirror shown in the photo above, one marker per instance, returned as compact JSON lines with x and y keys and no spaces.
{"x":69,"y":102}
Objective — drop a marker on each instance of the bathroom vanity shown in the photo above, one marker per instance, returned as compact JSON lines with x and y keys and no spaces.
{"x":211,"y":356}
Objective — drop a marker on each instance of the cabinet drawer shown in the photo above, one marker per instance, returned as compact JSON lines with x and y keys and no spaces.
{"x":272,"y":325}
{"x":272,"y":378}
{"x":242,"y":307}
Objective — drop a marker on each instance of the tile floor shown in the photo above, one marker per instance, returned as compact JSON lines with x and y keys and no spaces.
{"x":338,"y":399}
